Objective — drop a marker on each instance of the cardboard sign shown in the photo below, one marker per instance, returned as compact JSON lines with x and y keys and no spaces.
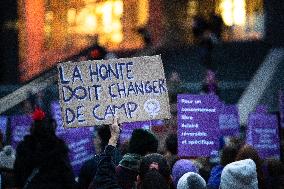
{"x":263,"y":134}
{"x":3,"y":126}
{"x":93,"y":92}
{"x":198,"y":125}
{"x":229,"y":120}
{"x":20,"y":127}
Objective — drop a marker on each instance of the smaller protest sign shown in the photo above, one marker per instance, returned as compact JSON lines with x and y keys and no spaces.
{"x":263,"y":134}
{"x":198,"y":125}
{"x":20,"y":127}
{"x":81,"y":146}
{"x":127,"y":128}
{"x":229,"y":120}
{"x":3,"y":126}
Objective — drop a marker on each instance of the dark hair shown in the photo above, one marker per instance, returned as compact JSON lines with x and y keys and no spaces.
{"x":163,"y":167}
{"x":171,"y":143}
{"x":142,"y":142}
{"x":42,"y":129}
{"x":228,"y":155}
{"x":154,"y":180}
{"x":103,"y":132}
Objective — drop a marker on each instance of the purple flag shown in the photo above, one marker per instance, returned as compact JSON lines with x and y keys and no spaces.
{"x":3,"y":126}
{"x":198,"y":125}
{"x":261,"y":109}
{"x":20,"y":127}
{"x":229,"y":120}
{"x":263,"y":134}
{"x":281,"y":108}
{"x":81,"y":146}
{"x":127,"y":128}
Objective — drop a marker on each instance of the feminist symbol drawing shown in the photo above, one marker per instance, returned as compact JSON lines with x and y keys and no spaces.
{"x":152,"y":107}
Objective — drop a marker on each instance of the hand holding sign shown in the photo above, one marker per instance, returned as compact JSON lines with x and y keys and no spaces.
{"x":115,"y":131}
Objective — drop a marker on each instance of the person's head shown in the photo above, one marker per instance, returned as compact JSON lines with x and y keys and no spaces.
{"x":239,"y":175}
{"x":181,"y":167}
{"x":142,"y":142}
{"x":154,"y":168}
{"x":248,"y":152}
{"x":228,"y":155}
{"x":191,"y":180}
{"x":171,"y":144}
{"x":153,"y":180}
{"x":42,"y":126}
{"x":101,"y":137}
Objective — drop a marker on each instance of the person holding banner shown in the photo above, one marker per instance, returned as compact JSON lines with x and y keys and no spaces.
{"x":105,"y":175}
{"x":42,"y":158}
{"x":88,"y":170}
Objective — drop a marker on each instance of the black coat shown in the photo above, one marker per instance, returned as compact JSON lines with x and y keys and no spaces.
{"x":105,"y":176}
{"x":50,"y":156}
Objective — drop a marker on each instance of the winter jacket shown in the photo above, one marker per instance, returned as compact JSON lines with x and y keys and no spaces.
{"x":105,"y":176}
{"x":89,"y":169}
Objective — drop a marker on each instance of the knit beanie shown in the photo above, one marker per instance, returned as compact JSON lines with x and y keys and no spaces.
{"x":181,"y":167}
{"x":191,"y":181}
{"x":7,"y":157}
{"x":239,"y":175}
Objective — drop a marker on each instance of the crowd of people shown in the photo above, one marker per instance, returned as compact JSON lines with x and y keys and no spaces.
{"x":41,"y":162}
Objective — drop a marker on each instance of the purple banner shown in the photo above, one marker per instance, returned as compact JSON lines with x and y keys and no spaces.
{"x":229,"y":120}
{"x":20,"y":127}
{"x":261,"y":109}
{"x":263,"y":134}
{"x":3,"y":126}
{"x":79,"y":140}
{"x":281,"y":108}
{"x":81,"y":146}
{"x":198,"y":125}
{"x":127,"y":128}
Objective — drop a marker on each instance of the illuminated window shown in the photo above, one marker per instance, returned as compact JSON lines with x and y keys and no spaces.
{"x":233,"y":12}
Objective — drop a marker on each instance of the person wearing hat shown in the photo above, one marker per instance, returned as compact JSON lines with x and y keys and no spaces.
{"x":239,"y":175}
{"x":7,"y":157}
{"x":181,"y":167}
{"x":191,"y":180}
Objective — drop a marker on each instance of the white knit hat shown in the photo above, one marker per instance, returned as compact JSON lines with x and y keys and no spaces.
{"x":239,"y":175}
{"x":191,"y":180}
{"x":7,"y":157}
